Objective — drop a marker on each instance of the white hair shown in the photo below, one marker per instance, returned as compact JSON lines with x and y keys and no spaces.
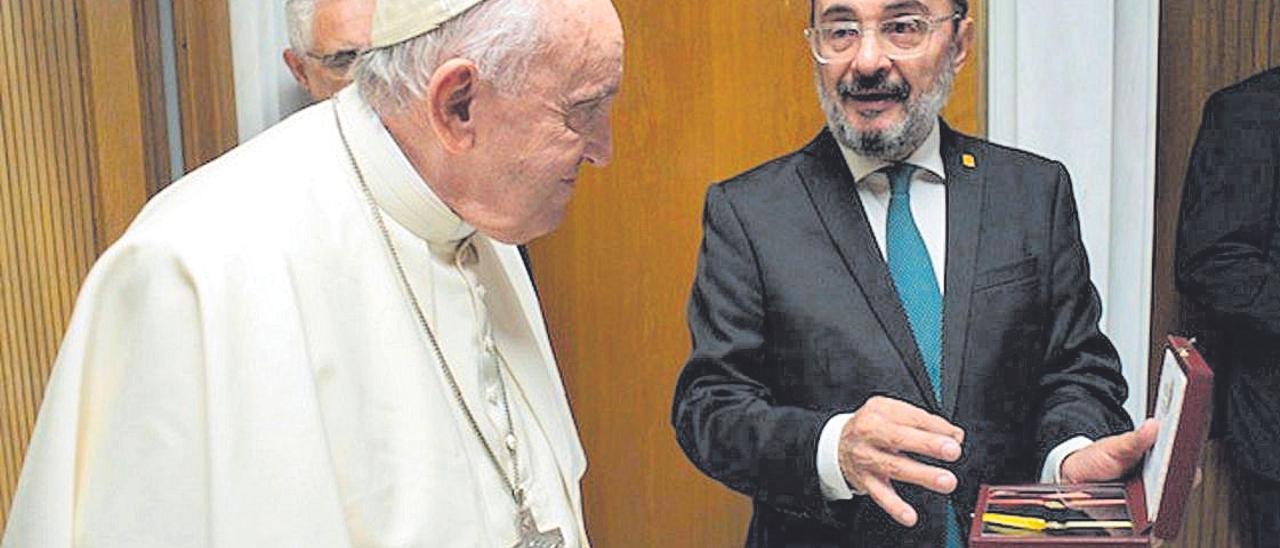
{"x":499,"y":36}
{"x":298,"y":15}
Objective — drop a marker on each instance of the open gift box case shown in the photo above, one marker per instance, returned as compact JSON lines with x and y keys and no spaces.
{"x":1150,"y":505}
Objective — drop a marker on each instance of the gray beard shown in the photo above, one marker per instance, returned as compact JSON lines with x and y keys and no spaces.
{"x":898,"y":142}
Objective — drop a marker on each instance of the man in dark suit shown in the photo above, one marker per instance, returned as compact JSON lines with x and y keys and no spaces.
{"x":1228,"y":267}
{"x":897,"y":312}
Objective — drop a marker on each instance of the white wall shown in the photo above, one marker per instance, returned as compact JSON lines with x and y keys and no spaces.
{"x":265,"y":91}
{"x":1076,"y":81}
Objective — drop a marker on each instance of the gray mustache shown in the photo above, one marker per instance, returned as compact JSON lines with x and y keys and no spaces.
{"x":849,"y":90}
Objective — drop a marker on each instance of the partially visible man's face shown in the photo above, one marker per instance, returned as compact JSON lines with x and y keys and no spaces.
{"x":338,"y":29}
{"x":529,"y":147}
{"x":879,"y":106}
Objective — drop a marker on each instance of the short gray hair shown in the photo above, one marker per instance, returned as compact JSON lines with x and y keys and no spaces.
{"x":500,"y":36}
{"x":297,"y":18}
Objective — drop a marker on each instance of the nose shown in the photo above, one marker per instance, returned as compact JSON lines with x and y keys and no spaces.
{"x":871,"y":57}
{"x":599,"y":148}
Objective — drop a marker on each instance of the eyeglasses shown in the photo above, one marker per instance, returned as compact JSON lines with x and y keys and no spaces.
{"x":901,"y":37}
{"x":338,"y":61}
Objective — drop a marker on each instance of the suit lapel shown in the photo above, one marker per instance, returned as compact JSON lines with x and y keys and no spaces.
{"x":965,"y":166}
{"x":826,"y":178}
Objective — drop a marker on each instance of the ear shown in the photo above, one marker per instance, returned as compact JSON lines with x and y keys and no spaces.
{"x":964,"y":37}
{"x":450,"y":99}
{"x":294,"y":63}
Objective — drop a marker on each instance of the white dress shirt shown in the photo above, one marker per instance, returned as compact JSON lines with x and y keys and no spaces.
{"x":929,"y":209}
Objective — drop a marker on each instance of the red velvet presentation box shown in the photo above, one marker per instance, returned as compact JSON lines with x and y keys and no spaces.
{"x":1150,"y":505}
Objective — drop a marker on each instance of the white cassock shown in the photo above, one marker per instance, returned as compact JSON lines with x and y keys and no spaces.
{"x":244,"y":369}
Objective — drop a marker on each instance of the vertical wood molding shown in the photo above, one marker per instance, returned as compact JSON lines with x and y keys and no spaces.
{"x":115,"y":109}
{"x":47,"y":220}
{"x":206,"y":82}
{"x":146,"y":20}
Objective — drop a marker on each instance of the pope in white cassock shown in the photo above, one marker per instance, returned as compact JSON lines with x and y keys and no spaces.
{"x":327,"y":337}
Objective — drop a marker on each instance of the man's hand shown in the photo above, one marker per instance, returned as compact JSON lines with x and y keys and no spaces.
{"x":873,"y":447}
{"x":1110,"y":457}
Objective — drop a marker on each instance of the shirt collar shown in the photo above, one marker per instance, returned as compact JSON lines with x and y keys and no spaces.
{"x":927,"y":156}
{"x":396,"y":186}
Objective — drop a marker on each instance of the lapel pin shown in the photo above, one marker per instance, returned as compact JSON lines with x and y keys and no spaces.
{"x":969,"y":161}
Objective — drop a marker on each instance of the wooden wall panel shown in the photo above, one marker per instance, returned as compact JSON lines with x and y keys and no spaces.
{"x":712,"y":88}
{"x":206,"y":83}
{"x":47,"y":228}
{"x":1204,"y":46}
{"x":76,"y":156}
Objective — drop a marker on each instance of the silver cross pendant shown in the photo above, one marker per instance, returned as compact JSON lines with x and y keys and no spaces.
{"x":531,"y":537}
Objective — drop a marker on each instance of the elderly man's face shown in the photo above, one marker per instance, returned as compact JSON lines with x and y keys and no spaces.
{"x":339,"y":29}
{"x":529,"y":147}
{"x":879,"y":101}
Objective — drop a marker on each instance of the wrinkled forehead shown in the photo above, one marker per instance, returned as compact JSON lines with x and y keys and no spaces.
{"x":827,"y":10}
{"x":581,"y":74}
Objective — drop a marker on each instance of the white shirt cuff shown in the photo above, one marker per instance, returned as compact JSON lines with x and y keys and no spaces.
{"x":834,"y":486}
{"x":1052,"y":471}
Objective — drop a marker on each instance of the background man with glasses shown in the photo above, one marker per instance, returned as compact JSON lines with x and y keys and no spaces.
{"x":895,"y":313}
{"x":325,"y":37}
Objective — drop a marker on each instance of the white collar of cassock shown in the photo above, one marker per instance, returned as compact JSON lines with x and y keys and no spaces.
{"x":927,"y":156}
{"x":395,"y":184}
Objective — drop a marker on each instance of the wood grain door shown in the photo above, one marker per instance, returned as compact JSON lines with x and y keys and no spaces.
{"x":712,"y":88}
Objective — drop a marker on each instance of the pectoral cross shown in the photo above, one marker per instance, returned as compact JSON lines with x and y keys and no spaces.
{"x":531,"y":537}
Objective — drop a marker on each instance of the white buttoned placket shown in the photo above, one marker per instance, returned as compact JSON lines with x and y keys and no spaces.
{"x":490,"y":385}
{"x":469,"y":338}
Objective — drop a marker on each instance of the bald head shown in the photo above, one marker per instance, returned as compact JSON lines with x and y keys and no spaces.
{"x":597,"y":17}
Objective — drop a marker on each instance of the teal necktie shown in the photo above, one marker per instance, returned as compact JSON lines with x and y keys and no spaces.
{"x":913,"y":275}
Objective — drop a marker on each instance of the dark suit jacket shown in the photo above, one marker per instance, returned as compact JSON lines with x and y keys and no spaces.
{"x":794,"y":318}
{"x":1228,"y":262}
